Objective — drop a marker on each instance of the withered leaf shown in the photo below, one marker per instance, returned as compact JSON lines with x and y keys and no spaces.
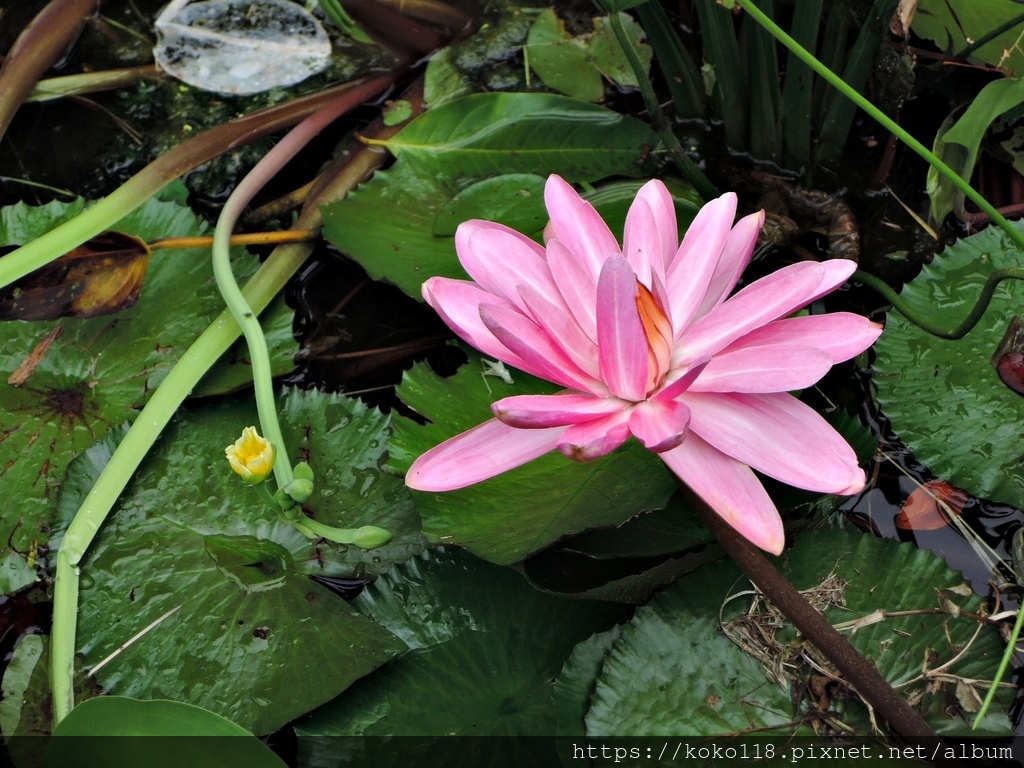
{"x":100,"y":277}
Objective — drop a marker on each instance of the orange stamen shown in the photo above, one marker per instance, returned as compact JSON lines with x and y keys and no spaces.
{"x":658,"y":329}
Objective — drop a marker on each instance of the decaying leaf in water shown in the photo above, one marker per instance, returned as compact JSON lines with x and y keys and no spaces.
{"x":101,"y":276}
{"x":928,"y":507}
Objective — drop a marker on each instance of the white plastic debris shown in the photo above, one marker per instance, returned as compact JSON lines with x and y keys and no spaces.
{"x":240,"y":46}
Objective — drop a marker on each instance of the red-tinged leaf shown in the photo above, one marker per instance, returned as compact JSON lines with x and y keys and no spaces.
{"x":102,"y":276}
{"x":926,"y":509}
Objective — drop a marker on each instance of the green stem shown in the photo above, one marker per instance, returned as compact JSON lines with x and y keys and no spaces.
{"x":164,"y":403}
{"x":958,"y":331}
{"x":837,"y":82}
{"x":1011,"y":648}
{"x":682,"y":160}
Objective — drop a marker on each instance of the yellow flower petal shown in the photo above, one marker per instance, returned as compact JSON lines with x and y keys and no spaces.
{"x":251,"y":456}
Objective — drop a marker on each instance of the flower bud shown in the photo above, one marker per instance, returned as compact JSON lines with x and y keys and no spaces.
{"x":251,"y":456}
{"x":370,"y":537}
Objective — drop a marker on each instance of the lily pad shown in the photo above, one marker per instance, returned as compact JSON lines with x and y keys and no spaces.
{"x":944,"y":398}
{"x":120,"y":716}
{"x":485,"y":648}
{"x":673,"y":671}
{"x":90,"y":375}
{"x":510,"y":516}
{"x":248,"y":623}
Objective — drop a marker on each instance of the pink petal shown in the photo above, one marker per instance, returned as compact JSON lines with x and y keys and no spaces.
{"x":840,"y":334}
{"x":562,"y":327}
{"x":540,"y":354}
{"x":559,"y":410}
{"x":778,"y":435}
{"x":776,"y":368}
{"x":478,"y":454}
{"x":770,"y":298}
{"x":641,"y":244}
{"x":578,"y":226}
{"x":735,"y":257}
{"x":577,"y":286}
{"x":659,"y":426}
{"x":592,"y":439}
{"x":675,"y":385}
{"x":693,"y":265}
{"x":731,"y":489}
{"x":659,"y":199}
{"x":458,"y":303}
{"x":499,"y":258}
{"x":621,"y":341}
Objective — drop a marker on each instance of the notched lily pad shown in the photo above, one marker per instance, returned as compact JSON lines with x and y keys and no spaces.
{"x":674,"y":672}
{"x":189,"y":536}
{"x":485,"y":648}
{"x":944,"y":398}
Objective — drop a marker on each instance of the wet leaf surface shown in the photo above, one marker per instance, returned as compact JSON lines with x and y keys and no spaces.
{"x":187,"y":532}
{"x":484,"y":650}
{"x":944,"y":398}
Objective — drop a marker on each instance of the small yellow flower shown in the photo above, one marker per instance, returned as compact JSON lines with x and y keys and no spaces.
{"x":251,"y":456}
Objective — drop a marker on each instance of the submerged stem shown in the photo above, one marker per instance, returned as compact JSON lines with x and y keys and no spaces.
{"x":956,"y":332}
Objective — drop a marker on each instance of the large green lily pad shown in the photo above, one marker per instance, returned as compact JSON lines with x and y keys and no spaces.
{"x":510,"y":516}
{"x":674,"y":672}
{"x":96,"y":373}
{"x":944,"y":398}
{"x":485,"y":649}
{"x":254,"y":639}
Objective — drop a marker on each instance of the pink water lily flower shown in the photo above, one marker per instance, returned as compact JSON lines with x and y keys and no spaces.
{"x":647,"y":342}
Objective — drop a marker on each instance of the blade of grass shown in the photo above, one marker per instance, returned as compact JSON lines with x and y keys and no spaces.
{"x":798,"y":88}
{"x":833,"y":52}
{"x":841,"y":112}
{"x":758,"y":51}
{"x":680,"y":72}
{"x":722,"y":52}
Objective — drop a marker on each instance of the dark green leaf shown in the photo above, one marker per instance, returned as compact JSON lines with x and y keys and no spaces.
{"x":952,"y":24}
{"x":485,"y":651}
{"x":944,"y":398}
{"x":187,"y":532}
{"x":508,"y":517}
{"x":674,"y":672}
{"x":493,"y":133}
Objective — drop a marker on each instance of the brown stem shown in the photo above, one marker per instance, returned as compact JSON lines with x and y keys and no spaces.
{"x":875,"y":690}
{"x":38,"y":46}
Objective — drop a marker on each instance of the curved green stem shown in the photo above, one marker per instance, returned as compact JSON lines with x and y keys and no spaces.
{"x":165,"y":401}
{"x":682,"y":160}
{"x":890,"y":125}
{"x":958,"y":331}
{"x":1011,"y":648}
